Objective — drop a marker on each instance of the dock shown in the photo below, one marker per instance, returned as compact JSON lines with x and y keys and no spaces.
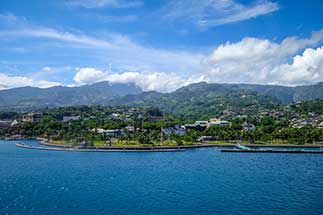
{"x":296,"y":151}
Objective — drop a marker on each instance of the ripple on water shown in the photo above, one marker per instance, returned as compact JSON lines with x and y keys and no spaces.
{"x":202,"y":181}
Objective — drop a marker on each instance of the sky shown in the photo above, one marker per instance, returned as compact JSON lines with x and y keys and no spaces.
{"x":160,"y":45}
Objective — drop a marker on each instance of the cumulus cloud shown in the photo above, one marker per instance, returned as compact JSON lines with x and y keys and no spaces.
{"x":89,"y":76}
{"x":157,"y":81}
{"x":7,"y":82}
{"x":305,"y":68}
{"x":252,"y":60}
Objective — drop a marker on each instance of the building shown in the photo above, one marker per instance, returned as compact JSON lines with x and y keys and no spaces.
{"x":198,"y":125}
{"x":248,"y":127}
{"x":32,"y":117}
{"x":4,"y":124}
{"x":130,"y":128}
{"x":218,"y":122}
{"x":201,"y":125}
{"x":70,"y":118}
{"x":173,"y":130}
{"x":14,"y":122}
{"x":109,"y":132}
{"x":320,"y":125}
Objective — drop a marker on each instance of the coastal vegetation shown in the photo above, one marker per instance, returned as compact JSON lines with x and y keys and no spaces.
{"x":147,"y":126}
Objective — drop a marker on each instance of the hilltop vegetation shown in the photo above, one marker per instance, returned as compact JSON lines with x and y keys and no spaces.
{"x":296,"y":123}
{"x":31,"y":98}
{"x":196,"y":98}
{"x":201,"y":101}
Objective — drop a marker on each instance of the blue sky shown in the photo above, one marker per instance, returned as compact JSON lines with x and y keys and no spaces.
{"x":160,"y":45}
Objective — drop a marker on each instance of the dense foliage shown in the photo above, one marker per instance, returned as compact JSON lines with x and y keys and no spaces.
{"x":148,"y":123}
{"x":195,"y":98}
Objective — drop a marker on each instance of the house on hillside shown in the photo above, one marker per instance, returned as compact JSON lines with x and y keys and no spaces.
{"x":32,"y":117}
{"x":70,"y":118}
{"x":248,"y":127}
{"x":174,"y":130}
{"x":4,"y":124}
{"x":130,"y":128}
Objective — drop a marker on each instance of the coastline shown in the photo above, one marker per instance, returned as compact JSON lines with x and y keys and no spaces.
{"x":95,"y":149}
{"x":200,"y":145}
{"x":47,"y":145}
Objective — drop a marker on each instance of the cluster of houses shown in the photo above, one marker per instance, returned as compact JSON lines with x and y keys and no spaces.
{"x":303,"y":122}
{"x":32,"y":117}
{"x":4,"y":124}
{"x":295,"y":121}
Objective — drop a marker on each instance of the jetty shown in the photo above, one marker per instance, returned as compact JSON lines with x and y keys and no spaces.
{"x":295,"y":151}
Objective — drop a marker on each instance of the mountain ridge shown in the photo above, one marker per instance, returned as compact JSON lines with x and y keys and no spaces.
{"x":107,"y":93}
{"x":31,"y":98}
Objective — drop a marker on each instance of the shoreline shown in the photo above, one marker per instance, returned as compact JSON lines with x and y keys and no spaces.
{"x":95,"y":149}
{"x":201,"y":145}
{"x":46,"y":145}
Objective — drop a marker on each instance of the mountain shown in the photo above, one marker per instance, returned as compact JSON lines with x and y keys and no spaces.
{"x":31,"y":98}
{"x":194,"y":98}
{"x":210,"y":99}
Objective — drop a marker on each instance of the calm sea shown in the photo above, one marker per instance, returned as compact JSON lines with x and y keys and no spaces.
{"x":201,"y":181}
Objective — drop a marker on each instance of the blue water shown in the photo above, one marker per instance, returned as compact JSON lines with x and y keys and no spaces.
{"x":201,"y":181}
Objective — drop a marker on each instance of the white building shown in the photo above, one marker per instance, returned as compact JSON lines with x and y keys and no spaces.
{"x":70,"y":118}
{"x":218,"y":122}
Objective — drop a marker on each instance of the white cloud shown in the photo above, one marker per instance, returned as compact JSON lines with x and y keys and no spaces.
{"x":117,"y":49}
{"x":40,"y":32}
{"x":90,"y":4}
{"x":158,"y":81}
{"x":46,"y":69}
{"x":111,"y":18}
{"x":7,"y":82}
{"x":252,"y":60}
{"x":305,"y":68}
{"x":207,"y":13}
{"x":89,"y":76}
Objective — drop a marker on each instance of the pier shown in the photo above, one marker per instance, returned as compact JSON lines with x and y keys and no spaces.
{"x":296,"y":151}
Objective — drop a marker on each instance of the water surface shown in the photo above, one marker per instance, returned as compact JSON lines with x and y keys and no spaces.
{"x":199,"y":181}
